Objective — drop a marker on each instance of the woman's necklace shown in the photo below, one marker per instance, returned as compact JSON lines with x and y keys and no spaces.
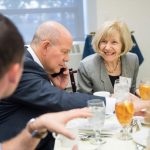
{"x":112,"y":70}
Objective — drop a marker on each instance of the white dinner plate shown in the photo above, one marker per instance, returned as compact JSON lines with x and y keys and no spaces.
{"x":140,"y":137}
{"x":102,"y":93}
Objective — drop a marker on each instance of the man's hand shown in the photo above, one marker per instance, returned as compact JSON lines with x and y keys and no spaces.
{"x":61,"y":80}
{"x":56,"y":121}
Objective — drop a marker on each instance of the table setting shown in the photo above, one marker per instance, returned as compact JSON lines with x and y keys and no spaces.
{"x":114,"y":127}
{"x":109,"y":134}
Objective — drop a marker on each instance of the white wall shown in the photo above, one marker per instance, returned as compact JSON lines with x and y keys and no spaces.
{"x":90,"y":13}
{"x":136,"y":13}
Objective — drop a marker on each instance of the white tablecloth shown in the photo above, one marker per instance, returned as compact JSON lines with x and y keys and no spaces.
{"x":111,"y":143}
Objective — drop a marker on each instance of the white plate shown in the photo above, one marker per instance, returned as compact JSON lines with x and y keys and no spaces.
{"x":102,"y":93}
{"x":140,"y":137}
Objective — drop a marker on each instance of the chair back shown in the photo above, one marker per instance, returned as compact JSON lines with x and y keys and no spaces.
{"x":72,"y":79}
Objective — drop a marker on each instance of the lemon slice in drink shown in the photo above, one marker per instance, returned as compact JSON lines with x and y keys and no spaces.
{"x":129,"y":107}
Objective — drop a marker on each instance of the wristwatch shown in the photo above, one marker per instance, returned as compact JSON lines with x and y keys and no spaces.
{"x":36,"y":133}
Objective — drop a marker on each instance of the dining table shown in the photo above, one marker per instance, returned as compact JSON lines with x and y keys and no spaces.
{"x":109,"y":135}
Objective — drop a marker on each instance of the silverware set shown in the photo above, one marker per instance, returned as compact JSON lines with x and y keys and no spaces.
{"x":86,"y":135}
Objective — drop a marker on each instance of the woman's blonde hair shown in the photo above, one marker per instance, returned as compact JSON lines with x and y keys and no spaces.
{"x":108,"y":29}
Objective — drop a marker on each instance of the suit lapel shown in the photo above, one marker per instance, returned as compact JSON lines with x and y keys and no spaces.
{"x":27,"y":54}
{"x":37,"y":68}
{"x":125,"y":67}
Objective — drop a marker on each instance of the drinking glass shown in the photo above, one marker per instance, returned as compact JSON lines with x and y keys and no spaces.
{"x":124,"y":110}
{"x":65,"y":142}
{"x":121,"y":87}
{"x":97,"y":108}
{"x":144,"y":89}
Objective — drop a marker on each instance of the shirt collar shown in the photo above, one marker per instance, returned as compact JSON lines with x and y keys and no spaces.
{"x":35,"y":57}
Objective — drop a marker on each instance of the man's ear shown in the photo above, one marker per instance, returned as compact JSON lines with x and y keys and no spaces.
{"x":14,"y":73}
{"x":44,"y":45}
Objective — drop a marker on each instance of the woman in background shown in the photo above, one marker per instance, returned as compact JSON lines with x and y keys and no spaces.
{"x":98,"y":72}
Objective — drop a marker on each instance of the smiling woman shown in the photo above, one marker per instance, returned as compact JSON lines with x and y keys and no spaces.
{"x":98,"y":72}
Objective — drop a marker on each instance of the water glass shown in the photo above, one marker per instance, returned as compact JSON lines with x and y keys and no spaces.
{"x":97,"y":108}
{"x":66,"y":142}
{"x":121,"y":88}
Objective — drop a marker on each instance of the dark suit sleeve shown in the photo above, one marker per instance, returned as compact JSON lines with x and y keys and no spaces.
{"x":36,"y":91}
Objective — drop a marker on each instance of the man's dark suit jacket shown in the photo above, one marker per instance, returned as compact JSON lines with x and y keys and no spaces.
{"x":34,"y":96}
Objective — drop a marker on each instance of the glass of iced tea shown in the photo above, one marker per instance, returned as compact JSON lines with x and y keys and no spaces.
{"x":124,"y":110}
{"x":144,"y":89}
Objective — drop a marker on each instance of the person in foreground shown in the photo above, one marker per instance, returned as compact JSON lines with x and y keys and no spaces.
{"x":98,"y":72}
{"x":41,"y":88}
{"x":11,"y":66}
{"x":51,"y":121}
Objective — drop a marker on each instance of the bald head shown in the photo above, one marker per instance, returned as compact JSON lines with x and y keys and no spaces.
{"x":52,"y":31}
